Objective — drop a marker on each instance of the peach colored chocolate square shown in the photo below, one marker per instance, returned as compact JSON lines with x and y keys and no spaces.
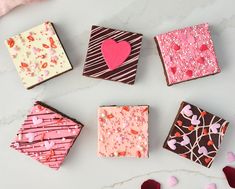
{"x":123,"y":131}
{"x":187,"y":54}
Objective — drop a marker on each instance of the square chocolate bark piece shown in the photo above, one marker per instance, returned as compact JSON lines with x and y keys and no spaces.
{"x":47,"y":135}
{"x":123,"y":131}
{"x":187,"y":54}
{"x":112,"y":55}
{"x":38,"y":55}
{"x":196,"y":134}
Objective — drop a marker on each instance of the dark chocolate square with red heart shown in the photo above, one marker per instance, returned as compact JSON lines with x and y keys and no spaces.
{"x":112,"y":55}
{"x":196,"y":134}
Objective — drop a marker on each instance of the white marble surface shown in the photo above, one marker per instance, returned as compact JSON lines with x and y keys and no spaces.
{"x":79,"y":96}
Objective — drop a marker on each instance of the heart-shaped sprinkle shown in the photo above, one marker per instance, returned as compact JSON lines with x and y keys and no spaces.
{"x":230,"y":157}
{"x":48,"y":145}
{"x":172,"y":181}
{"x":203,"y":47}
{"x":205,"y":131}
{"x":115,"y":53}
{"x":195,"y":121}
{"x":214,"y":127}
{"x":187,"y":110}
{"x":186,"y":140}
{"x":171,"y":144}
{"x":230,"y":175}
{"x":201,"y":60}
{"x":30,"y":137}
{"x":176,"y":47}
{"x":180,"y":123}
{"x":211,"y":186}
{"x":189,"y":73}
{"x":173,"y":70}
{"x":151,"y":184}
{"x":203,"y":150}
{"x":177,"y":134}
{"x":207,"y":160}
{"x":11,"y":42}
{"x":191,"y":128}
{"x":203,"y":114}
{"x":210,"y":143}
{"x":36,"y":121}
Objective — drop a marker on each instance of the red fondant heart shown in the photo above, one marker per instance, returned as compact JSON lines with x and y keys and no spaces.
{"x":230,"y":175}
{"x":115,"y":53}
{"x":151,"y":184}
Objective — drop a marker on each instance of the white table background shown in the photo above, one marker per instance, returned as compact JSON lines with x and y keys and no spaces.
{"x":79,"y":96}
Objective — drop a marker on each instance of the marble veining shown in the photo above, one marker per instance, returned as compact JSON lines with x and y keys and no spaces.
{"x":80,"y":97}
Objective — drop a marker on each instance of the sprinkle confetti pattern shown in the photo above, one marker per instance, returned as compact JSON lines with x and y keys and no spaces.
{"x":187,"y":54}
{"x":123,"y":131}
{"x":47,"y":135}
{"x":38,"y":55}
{"x":196,"y":134}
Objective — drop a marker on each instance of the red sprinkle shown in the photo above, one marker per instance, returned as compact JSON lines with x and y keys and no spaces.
{"x":173,"y":70}
{"x":207,"y":160}
{"x":203,"y":113}
{"x":205,"y":131}
{"x":30,"y":38}
{"x":176,"y":47}
{"x":134,"y":132}
{"x":122,"y":153}
{"x":138,"y":153}
{"x":126,"y":108}
{"x":177,"y":134}
{"x":24,"y":65}
{"x":180,"y":123}
{"x":191,"y":128}
{"x":11,"y":42}
{"x":52,"y":43}
{"x":110,"y":116}
{"x":203,"y":47}
{"x":210,"y":143}
{"x":44,"y":65}
{"x":45,"y":46}
{"x":189,"y":73}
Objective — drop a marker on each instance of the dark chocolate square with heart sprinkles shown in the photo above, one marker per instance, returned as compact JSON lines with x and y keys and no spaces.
{"x":196,"y":134}
{"x":112,"y":55}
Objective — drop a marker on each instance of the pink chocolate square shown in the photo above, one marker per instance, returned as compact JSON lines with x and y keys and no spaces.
{"x":123,"y":131}
{"x":187,"y":54}
{"x":47,"y":135}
